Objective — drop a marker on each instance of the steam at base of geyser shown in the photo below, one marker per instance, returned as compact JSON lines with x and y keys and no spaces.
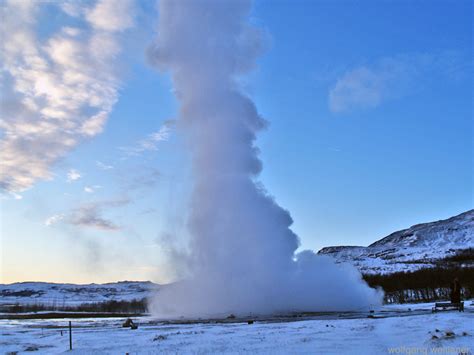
{"x":242,"y":248}
{"x":314,"y":283}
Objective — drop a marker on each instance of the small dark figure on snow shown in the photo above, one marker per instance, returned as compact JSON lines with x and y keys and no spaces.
{"x":129,"y":324}
{"x":455,"y":291}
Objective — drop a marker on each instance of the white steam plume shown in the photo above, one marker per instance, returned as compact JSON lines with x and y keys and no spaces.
{"x":242,"y":249}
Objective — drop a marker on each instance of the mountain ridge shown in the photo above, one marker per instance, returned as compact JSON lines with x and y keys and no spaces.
{"x":419,"y":246}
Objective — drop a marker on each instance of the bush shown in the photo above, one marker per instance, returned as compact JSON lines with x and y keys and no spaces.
{"x":136,"y":306}
{"x":429,"y":284}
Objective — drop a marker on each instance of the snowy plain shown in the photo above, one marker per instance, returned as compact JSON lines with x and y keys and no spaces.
{"x":49,"y":294}
{"x":397,"y":329}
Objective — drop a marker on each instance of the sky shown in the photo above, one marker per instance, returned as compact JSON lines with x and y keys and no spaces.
{"x":370,"y":130}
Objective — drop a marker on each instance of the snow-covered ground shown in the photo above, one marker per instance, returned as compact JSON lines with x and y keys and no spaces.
{"x":404,"y":332}
{"x":58,"y":294}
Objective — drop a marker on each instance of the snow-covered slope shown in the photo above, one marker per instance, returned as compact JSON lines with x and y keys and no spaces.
{"x":71,"y":294}
{"x":422,"y":245}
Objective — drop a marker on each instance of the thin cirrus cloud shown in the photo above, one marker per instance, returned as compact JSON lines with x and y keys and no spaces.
{"x":103,"y":166}
{"x":147,"y":178}
{"x":91,"y":189}
{"x":368,"y":86}
{"x":150,"y":143}
{"x":56,"y":91}
{"x":89,"y":215}
{"x":56,"y":218}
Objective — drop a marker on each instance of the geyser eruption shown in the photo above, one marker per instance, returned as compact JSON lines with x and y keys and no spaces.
{"x":242,"y":249}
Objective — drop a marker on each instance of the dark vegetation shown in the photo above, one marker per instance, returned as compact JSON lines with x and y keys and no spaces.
{"x":429,"y":284}
{"x":425,"y":285}
{"x":63,"y":315}
{"x":464,"y":256}
{"x":137,"y":306}
{"x":22,"y":293}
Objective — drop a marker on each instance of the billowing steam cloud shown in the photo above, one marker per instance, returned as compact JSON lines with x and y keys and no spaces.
{"x":242,"y":249}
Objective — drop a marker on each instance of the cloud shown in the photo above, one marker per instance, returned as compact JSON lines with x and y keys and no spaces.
{"x":361,"y":87}
{"x":16,"y":196}
{"x":53,"y":219}
{"x":13,"y":195}
{"x":73,"y":175}
{"x":150,"y":143}
{"x":103,"y":166}
{"x":368,"y":86}
{"x":91,"y":189}
{"x":74,"y":8}
{"x":146,"y":178}
{"x":89,"y":215}
{"x":111,"y":15}
{"x":56,"y":90}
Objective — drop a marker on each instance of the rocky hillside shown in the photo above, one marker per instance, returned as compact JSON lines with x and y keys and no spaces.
{"x":423,"y":245}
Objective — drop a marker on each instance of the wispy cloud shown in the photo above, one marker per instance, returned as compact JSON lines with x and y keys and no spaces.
{"x":359,"y":88}
{"x":103,"y":166}
{"x":145,"y":178}
{"x":73,"y":175}
{"x":150,"y":143}
{"x":89,"y":215}
{"x":111,"y":15}
{"x":53,"y":219}
{"x":91,"y":189}
{"x":56,"y":91}
{"x":367,"y":86}
{"x":16,"y":196}
{"x":11,"y":194}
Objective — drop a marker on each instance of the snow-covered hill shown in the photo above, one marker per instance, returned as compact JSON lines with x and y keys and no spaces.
{"x":70,"y":294}
{"x":420,"y":246}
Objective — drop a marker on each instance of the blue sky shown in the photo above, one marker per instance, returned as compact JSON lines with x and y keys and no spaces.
{"x":369,"y":106}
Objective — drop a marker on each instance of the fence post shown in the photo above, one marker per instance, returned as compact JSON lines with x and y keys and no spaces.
{"x":70,"y":336}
